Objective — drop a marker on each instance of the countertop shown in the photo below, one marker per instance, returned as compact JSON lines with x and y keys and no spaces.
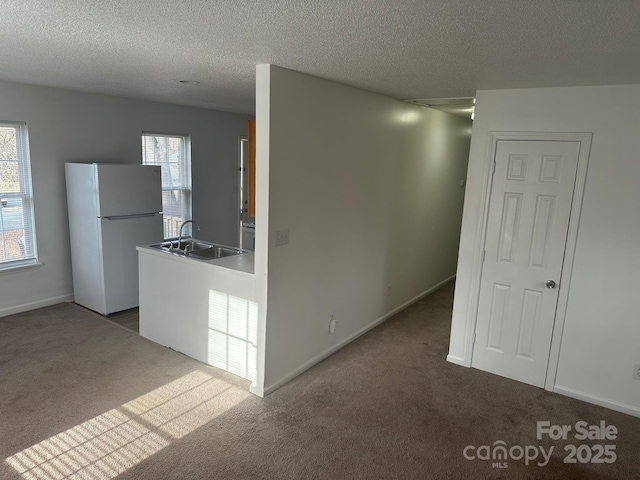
{"x":240,"y":263}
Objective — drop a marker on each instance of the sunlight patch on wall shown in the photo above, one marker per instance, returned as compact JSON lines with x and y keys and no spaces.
{"x":233,"y":331}
{"x":111,"y":443}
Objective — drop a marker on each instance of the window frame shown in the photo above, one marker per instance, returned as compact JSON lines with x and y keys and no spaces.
{"x":25,"y":196}
{"x":184,"y":189}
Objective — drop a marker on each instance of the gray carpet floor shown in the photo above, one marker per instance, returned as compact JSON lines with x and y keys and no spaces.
{"x":82,"y":398}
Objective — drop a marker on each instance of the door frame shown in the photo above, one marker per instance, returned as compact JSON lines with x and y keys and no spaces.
{"x":567,"y":267}
{"x":241,"y":167}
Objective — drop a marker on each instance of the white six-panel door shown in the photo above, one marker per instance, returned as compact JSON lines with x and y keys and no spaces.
{"x":529,"y":208}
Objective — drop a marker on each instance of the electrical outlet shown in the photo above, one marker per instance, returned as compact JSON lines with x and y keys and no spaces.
{"x":389,"y":289}
{"x":282,"y":237}
{"x":332,"y":324}
{"x":636,"y":371}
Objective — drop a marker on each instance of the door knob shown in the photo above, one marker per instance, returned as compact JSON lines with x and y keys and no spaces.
{"x":551,"y":284}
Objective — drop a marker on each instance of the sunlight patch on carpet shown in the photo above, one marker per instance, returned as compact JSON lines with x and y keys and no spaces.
{"x":117,"y":440}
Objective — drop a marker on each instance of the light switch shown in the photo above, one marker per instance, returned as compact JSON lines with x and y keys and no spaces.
{"x":282,"y":237}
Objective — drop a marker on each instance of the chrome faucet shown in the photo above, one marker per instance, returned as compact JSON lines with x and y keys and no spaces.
{"x":180,"y":233}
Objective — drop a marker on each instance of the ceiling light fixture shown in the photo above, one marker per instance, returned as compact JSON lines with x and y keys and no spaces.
{"x":461,"y":106}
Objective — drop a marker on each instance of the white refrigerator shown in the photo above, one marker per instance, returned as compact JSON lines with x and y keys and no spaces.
{"x":112,"y":209}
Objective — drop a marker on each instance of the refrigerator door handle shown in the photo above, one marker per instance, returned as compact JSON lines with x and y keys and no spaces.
{"x":124,"y":217}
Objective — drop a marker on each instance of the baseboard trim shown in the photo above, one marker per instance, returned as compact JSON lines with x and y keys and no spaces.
{"x":25,"y":307}
{"x":330,"y":351}
{"x":603,"y":402}
{"x":256,"y":391}
{"x":457,"y":360}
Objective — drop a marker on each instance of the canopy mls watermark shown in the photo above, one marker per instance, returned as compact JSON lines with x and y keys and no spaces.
{"x":499,"y":453}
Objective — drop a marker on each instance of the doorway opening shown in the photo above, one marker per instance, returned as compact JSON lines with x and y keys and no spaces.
{"x":247,"y":223}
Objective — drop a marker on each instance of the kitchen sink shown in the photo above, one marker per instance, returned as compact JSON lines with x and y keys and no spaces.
{"x":172,"y":246}
{"x":198,"y":249}
{"x":215,"y":252}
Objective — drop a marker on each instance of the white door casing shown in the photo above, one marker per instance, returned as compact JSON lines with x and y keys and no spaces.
{"x":528,"y":220}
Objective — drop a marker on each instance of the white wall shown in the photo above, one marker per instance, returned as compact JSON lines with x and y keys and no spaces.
{"x":600,"y":340}
{"x":70,"y":126}
{"x":369,"y":188}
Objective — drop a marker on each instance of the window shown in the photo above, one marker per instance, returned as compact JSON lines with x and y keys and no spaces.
{"x":172,"y":153}
{"x":17,"y":232}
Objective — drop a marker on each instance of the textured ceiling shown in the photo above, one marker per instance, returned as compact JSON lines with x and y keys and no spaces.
{"x":401,"y":48}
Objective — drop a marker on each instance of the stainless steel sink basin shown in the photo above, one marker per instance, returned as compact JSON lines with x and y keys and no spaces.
{"x":215,"y":252}
{"x":198,"y":249}
{"x":172,"y":246}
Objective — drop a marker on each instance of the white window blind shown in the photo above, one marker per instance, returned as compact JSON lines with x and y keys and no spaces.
{"x":17,"y":231}
{"x":171,"y":153}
